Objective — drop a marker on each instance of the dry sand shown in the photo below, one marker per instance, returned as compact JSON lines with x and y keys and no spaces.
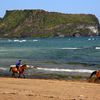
{"x":41,"y":89}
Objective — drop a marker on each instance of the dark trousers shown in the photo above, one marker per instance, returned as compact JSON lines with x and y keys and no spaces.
{"x":17,"y":67}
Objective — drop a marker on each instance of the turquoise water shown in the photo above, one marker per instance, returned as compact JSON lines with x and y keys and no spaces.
{"x":52,"y":52}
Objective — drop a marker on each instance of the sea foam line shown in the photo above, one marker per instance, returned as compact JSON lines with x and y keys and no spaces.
{"x":1,"y":68}
{"x":19,"y":40}
{"x":56,"y":69}
{"x":35,"y":40}
{"x":67,"y":70}
{"x":97,"y":47}
{"x":71,"y":48}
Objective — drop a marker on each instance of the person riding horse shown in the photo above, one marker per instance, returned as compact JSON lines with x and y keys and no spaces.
{"x":14,"y":70}
{"x":18,"y":63}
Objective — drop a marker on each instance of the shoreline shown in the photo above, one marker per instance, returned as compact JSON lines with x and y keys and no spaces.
{"x":46,"y":75}
{"x":53,"y":71}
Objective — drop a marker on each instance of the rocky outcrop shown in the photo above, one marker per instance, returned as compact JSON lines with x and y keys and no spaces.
{"x":40,"y":23}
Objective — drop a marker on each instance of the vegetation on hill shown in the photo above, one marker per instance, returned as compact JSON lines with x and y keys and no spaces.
{"x":40,"y":23}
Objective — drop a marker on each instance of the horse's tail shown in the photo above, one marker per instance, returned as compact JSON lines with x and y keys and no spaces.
{"x":10,"y":69}
{"x":93,"y":73}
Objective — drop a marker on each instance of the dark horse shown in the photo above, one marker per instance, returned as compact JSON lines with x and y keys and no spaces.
{"x":21,"y":70}
{"x":97,"y":74}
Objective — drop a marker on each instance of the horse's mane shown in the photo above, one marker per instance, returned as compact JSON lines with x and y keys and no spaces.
{"x":24,"y":65}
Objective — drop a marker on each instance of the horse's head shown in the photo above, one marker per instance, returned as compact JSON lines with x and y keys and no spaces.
{"x":24,"y":66}
{"x":33,"y":67}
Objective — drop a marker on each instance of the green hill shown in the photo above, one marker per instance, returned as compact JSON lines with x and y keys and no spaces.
{"x":40,"y":23}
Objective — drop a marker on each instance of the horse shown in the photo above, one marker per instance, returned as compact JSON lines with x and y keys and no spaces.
{"x":97,"y":74}
{"x":21,"y":70}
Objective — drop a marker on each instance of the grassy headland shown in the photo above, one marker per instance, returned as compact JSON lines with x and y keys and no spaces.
{"x":40,"y":23}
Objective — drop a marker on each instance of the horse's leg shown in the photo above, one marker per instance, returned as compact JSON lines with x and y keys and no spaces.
{"x":19,"y":75}
{"x":23,"y":75}
{"x":13,"y":74}
{"x":96,"y":79}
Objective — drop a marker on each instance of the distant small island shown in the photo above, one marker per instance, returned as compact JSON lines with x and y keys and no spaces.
{"x":40,"y":23}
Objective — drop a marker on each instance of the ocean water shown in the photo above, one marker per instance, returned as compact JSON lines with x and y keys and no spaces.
{"x":71,"y":54}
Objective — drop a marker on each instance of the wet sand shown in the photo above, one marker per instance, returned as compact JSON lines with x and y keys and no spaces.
{"x":41,"y":89}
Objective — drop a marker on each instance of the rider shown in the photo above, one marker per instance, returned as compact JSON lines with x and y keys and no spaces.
{"x":18,"y":63}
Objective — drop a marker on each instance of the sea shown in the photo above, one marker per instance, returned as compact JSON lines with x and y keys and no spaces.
{"x":67,"y":55}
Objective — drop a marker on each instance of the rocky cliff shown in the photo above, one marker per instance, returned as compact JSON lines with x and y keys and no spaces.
{"x":40,"y":23}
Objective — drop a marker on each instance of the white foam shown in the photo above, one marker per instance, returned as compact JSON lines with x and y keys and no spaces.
{"x":19,"y":40}
{"x":1,"y":68}
{"x":67,"y":70}
{"x":16,"y":40}
{"x":12,"y":65}
{"x":35,"y":40}
{"x":97,"y":47}
{"x":22,"y":40}
{"x":89,"y":39}
{"x":71,"y":48}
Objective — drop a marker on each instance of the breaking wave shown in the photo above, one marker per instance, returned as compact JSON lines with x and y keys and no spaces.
{"x":71,"y":48}
{"x":67,"y":70}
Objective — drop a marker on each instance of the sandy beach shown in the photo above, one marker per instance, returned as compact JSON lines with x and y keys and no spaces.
{"x":41,"y":89}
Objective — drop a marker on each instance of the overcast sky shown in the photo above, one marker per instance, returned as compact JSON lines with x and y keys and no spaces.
{"x":64,"y":6}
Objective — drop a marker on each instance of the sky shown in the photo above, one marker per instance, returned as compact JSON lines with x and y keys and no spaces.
{"x":63,"y":6}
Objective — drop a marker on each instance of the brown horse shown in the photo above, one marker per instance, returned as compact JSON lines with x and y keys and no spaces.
{"x":21,"y":70}
{"x":97,"y":74}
